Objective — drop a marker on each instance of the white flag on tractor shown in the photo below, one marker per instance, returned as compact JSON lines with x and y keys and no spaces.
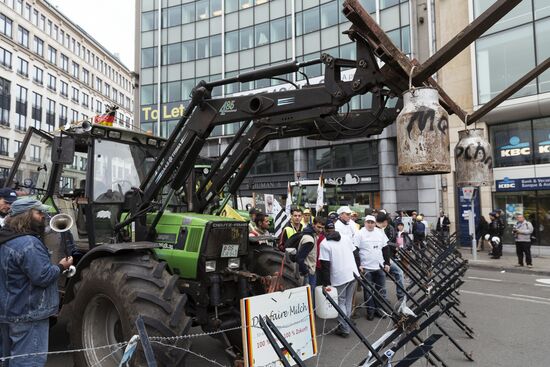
{"x":320,"y":194}
{"x":288,"y":200}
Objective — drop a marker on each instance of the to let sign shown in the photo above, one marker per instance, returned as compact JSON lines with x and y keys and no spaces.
{"x":292,"y":313}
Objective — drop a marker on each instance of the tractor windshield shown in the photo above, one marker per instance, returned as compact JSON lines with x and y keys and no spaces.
{"x":307,"y":193}
{"x":118,"y":167}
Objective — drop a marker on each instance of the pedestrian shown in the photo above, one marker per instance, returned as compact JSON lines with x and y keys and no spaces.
{"x":28,"y":284}
{"x":354,"y":220}
{"x":7,"y":197}
{"x":390,"y":251}
{"x":294,"y":226}
{"x":344,"y":225}
{"x":306,"y":254}
{"x":481,"y":230}
{"x":398,"y":218}
{"x":495,"y":235}
{"x":418,"y":231}
{"x":522,"y":231}
{"x":370,"y":241}
{"x":443,"y":225}
{"x":251,"y":225}
{"x":338,"y":266}
{"x":261,"y":226}
{"x":306,"y":218}
{"x":403,"y":240}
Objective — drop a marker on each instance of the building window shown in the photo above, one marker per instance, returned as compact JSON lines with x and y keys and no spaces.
{"x":22,"y":67}
{"x":75,"y":95}
{"x":17,"y":147}
{"x":74,"y":114}
{"x":64,"y":89}
{"x":99,"y":107}
{"x":4,"y":142}
{"x":23,"y":36}
{"x":52,"y":82}
{"x":76,"y":70}
{"x":5,"y":25}
{"x":98,"y":84}
{"x":85,"y":76}
{"x":50,"y":115}
{"x":35,"y":17}
{"x":363,"y":154}
{"x":52,"y":55}
{"x":85,"y":100}
{"x":64,"y":63}
{"x":273,"y":162}
{"x":38,"y":46}
{"x":5,"y":58}
{"x":38,"y":75}
{"x":5,"y":101}
{"x":63,"y":115}
{"x":35,"y":153}
{"x":512,"y":47}
{"x":36,"y":112}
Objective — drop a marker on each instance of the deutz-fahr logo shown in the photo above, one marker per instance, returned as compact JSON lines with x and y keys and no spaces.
{"x":228,"y":106}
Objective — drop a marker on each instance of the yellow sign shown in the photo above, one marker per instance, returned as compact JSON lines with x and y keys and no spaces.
{"x":168,"y":111}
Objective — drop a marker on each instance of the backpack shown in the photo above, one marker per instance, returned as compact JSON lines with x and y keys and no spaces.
{"x":294,"y":243}
{"x":420,"y":229}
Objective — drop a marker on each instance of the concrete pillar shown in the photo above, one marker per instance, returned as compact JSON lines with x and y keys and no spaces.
{"x":387,"y":166}
{"x":300,"y":164}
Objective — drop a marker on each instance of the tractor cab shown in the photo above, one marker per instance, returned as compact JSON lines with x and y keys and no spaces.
{"x":86,"y":173}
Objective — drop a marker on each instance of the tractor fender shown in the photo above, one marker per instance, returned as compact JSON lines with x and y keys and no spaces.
{"x":103,"y":251}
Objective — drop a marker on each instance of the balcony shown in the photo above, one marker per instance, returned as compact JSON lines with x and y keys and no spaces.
{"x":21,"y":107}
{"x":5,"y":101}
{"x":36,"y":113}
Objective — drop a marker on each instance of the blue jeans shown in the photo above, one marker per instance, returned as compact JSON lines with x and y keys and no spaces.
{"x":24,"y":338}
{"x":312,"y":281}
{"x":378,"y":279}
{"x":345,"y":300}
{"x":397,"y":273}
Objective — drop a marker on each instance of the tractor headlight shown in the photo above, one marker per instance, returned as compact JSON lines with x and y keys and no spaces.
{"x":210,"y":266}
{"x":234,"y":263}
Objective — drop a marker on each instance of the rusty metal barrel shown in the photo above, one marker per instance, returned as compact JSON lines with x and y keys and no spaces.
{"x":473,"y":159}
{"x":423,"y":134}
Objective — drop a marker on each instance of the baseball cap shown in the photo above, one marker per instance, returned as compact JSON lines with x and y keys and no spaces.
{"x":343,"y":209}
{"x":22,"y":205}
{"x":8,"y":194}
{"x":370,"y":217}
{"x":329,"y":225}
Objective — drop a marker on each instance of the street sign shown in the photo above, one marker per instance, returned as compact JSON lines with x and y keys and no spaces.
{"x":468,"y":192}
{"x":292,"y":313}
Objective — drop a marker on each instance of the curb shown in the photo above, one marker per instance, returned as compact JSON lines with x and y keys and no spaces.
{"x":523,"y":270}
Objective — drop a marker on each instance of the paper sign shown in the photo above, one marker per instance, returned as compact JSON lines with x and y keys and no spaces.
{"x":292,"y":313}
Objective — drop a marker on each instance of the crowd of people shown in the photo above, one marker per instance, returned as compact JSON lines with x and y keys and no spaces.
{"x":330,"y":250}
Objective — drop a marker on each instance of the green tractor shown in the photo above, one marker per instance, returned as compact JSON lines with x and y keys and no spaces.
{"x":193,"y":274}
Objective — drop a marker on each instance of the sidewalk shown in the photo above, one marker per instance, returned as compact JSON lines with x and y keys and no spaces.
{"x":541,"y":264}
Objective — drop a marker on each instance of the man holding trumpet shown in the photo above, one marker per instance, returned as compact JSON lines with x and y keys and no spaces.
{"x":28,"y":283}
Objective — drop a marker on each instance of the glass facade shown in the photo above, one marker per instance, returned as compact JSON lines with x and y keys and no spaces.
{"x":511,"y":48}
{"x":213,"y":39}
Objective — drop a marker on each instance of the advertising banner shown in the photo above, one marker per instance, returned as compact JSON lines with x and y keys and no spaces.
{"x":292,"y":313}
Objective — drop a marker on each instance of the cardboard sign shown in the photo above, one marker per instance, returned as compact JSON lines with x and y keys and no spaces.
{"x":292,"y":312}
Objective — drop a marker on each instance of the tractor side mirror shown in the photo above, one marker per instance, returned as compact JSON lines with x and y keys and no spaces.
{"x":63,"y":150}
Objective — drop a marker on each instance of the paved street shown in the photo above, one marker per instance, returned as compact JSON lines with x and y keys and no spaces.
{"x":508,"y":311}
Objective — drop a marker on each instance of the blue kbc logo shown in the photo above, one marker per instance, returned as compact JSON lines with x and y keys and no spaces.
{"x":506,"y":183}
{"x":515,"y":148}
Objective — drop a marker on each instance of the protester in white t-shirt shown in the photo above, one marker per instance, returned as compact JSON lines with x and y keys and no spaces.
{"x":370,"y":240}
{"x":344,"y":225}
{"x":338,"y":267}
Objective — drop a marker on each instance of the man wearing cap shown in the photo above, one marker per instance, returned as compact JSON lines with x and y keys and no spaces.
{"x":28,"y":283}
{"x":344,"y":225}
{"x":7,"y":197}
{"x":306,"y":218}
{"x":370,"y":241}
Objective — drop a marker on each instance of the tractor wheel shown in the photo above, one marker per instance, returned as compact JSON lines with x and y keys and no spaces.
{"x":267,"y":260}
{"x":111,"y":294}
